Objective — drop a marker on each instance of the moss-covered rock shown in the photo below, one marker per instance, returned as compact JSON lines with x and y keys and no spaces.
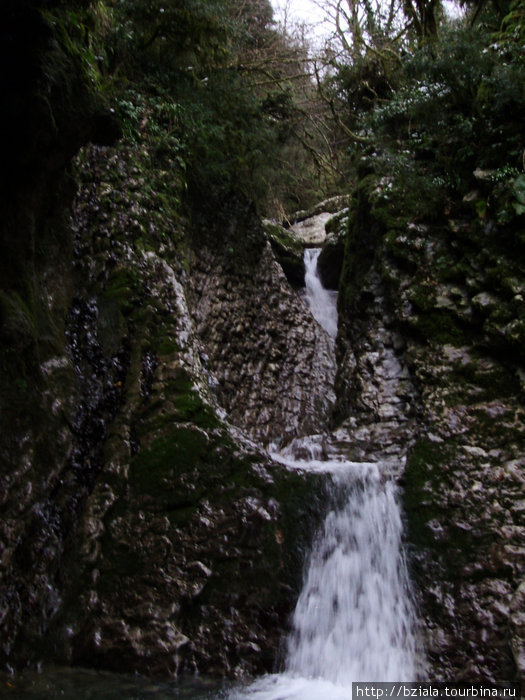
{"x":184,"y":549}
{"x":289,"y":251}
{"x":453,"y":285}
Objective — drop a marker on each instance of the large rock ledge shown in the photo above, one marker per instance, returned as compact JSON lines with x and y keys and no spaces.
{"x":184,"y":545}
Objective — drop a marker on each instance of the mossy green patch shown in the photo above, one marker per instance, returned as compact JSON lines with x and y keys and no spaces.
{"x":159,"y":465}
{"x":486,"y":383}
{"x":180,"y":402}
{"x":123,"y":286}
{"x":429,"y":470}
{"x":422,"y":477}
{"x":441,"y":327}
{"x":165,"y":344}
{"x":187,"y":402}
{"x":282,"y":239}
{"x":434,"y":525}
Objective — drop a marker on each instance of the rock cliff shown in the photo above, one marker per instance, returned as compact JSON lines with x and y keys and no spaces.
{"x":454,"y":309}
{"x":172,"y":541}
{"x":148,"y":347}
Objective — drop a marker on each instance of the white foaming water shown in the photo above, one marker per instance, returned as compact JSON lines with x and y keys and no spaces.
{"x":354,"y":620}
{"x":321,"y":302}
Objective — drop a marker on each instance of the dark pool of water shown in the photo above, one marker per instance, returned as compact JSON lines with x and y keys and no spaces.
{"x":83,"y":684}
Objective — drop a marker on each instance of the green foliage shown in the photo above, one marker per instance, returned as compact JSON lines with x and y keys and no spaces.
{"x":173,"y":33}
{"x":456,"y":120}
{"x":185,"y":76}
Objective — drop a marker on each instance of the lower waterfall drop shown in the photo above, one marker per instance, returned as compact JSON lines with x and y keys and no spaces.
{"x":354,"y":619}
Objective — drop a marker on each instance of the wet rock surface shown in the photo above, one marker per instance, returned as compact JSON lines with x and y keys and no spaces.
{"x":186,"y":552}
{"x":272,"y":364}
{"x":376,"y":398}
{"x":461,"y":395}
{"x":141,"y":530}
{"x":464,"y":488}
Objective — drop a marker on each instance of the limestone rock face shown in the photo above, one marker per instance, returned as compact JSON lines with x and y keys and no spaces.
{"x":273,"y":365}
{"x":464,"y":488}
{"x":312,"y":230}
{"x":377,"y":400}
{"x":185,"y":551}
{"x":446,"y":298}
{"x":141,"y":528}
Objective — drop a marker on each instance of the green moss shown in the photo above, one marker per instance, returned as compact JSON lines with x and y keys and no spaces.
{"x":166,"y":345}
{"x":441,"y":327}
{"x":402,"y":248}
{"x":431,"y":470}
{"x":187,"y":403}
{"x":122,"y":287}
{"x":421,"y":294}
{"x":159,"y":465}
{"x":181,"y":402}
{"x":489,"y":383}
{"x":283,"y":239}
{"x":288,"y":250}
{"x":422,"y":476}
{"x":426,"y":474}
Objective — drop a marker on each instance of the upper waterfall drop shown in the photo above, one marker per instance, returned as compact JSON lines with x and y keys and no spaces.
{"x":321,"y":302}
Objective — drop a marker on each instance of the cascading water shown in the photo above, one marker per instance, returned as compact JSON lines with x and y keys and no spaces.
{"x":354,"y":620}
{"x":321,"y":301}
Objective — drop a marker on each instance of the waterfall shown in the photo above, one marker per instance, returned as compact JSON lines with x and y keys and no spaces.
{"x":354,"y":619}
{"x":321,"y":301}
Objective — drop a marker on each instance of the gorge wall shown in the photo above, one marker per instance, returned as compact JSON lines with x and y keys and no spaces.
{"x":147,"y":345}
{"x":454,"y":293}
{"x":165,"y":526}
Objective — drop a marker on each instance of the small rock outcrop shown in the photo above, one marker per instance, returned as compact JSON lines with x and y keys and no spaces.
{"x":289,"y":251}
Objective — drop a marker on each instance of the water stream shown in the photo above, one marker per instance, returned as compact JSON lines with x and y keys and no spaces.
{"x":354,"y":620}
{"x":321,"y":302}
